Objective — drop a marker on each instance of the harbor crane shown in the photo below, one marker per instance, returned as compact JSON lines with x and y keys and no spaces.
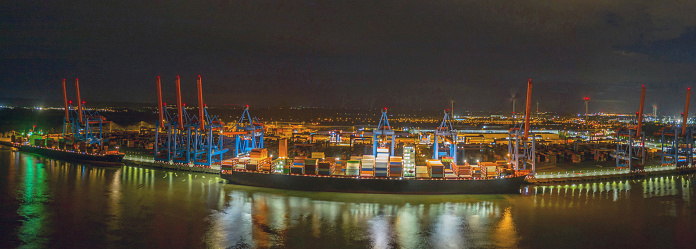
{"x":382,"y":134}
{"x":521,"y":149}
{"x":630,"y":141}
{"x":189,"y":139}
{"x":248,"y":134}
{"x":83,"y":125}
{"x":677,"y":142}
{"x":449,"y":135}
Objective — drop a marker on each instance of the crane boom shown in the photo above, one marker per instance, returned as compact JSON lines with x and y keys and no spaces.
{"x":201,"y":118}
{"x":640,"y":110}
{"x":178,"y":105}
{"x":528,"y":109}
{"x":65,"y":103}
{"x":79,"y":101}
{"x":159,"y":103}
{"x":686,"y":110}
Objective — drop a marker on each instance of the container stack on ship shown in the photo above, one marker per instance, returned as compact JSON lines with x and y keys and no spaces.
{"x":396,"y":167}
{"x":382,"y":162}
{"x":368,"y":165}
{"x":353,"y":166}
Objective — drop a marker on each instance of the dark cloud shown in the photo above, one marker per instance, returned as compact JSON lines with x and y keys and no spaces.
{"x":366,"y":53}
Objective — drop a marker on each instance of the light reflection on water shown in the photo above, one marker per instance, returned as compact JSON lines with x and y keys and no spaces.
{"x":51,"y":202}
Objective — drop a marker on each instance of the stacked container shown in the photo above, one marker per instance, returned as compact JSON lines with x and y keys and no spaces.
{"x":298,"y":165}
{"x":396,"y":167}
{"x":476,"y":171}
{"x":310,"y":166}
{"x":462,"y":170}
{"x":382,"y":162}
{"x":409,"y":165}
{"x":422,"y":172}
{"x":240,"y":162}
{"x":437,"y":169}
{"x":353,"y":167}
{"x":326,"y":167}
{"x":259,"y":160}
{"x":489,"y":169}
{"x":368,"y":164}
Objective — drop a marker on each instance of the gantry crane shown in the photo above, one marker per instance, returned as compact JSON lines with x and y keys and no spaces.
{"x":189,"y":138}
{"x":207,"y":134}
{"x":248,"y":134}
{"x":175,"y":146}
{"x":521,"y":149}
{"x":627,"y":150}
{"x":447,"y":132}
{"x":383,"y":133}
{"x":83,"y":125}
{"x":680,"y":140}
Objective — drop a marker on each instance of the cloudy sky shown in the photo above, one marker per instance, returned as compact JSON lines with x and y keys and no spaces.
{"x":356,"y":53}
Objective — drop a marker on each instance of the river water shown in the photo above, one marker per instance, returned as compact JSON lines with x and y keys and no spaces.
{"x":51,"y":203}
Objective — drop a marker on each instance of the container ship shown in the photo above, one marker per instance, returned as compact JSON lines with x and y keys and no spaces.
{"x":79,"y":152}
{"x":380,"y":174}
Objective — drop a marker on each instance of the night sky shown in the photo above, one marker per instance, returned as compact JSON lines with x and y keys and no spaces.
{"x":406,"y":54}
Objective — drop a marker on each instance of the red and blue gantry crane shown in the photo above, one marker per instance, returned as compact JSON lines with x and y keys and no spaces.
{"x":188,"y":138}
{"x":81,"y":124}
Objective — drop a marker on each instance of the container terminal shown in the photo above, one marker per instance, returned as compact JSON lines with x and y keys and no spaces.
{"x":495,"y":149}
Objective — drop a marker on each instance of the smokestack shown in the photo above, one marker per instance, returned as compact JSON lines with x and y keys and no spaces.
{"x":201,"y":119}
{"x":159,"y":103}
{"x":640,"y":110}
{"x":178,"y":104}
{"x":65,"y":103}
{"x":686,"y":110}
{"x":528,"y":110}
{"x":79,"y":101}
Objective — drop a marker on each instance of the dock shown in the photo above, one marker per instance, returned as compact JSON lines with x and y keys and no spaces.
{"x":607,"y":175}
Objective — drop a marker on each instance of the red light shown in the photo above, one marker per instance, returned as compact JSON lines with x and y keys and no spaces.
{"x":83,"y":102}
{"x":586,"y":98}
{"x":70,"y":102}
{"x":165,"y":104}
{"x":184,"y":104}
{"x":205,"y":105}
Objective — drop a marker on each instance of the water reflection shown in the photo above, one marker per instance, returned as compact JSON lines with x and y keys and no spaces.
{"x":299,"y":219}
{"x":32,"y":204}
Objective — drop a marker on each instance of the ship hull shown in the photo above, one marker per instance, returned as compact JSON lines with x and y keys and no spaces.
{"x":99,"y":160}
{"x":509,"y":185}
